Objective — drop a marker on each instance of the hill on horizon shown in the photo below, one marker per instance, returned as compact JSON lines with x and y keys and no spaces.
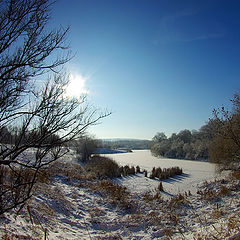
{"x":125,"y":143}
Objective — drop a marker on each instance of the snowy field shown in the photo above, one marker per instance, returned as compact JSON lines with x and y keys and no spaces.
{"x":195,"y":172}
{"x":73,"y":204}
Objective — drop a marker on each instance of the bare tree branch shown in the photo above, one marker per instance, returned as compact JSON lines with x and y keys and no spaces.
{"x":41,"y":122}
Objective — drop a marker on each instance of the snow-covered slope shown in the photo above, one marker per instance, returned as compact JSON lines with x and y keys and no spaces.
{"x":73,"y":204}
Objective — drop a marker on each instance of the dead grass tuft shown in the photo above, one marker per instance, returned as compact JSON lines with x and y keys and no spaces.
{"x":118,"y":195}
{"x":235,"y":175}
{"x":96,"y":212}
{"x":152,"y":196}
{"x":224,"y":191}
{"x":110,"y":236}
{"x":177,"y":201}
{"x":208,"y":195}
{"x":160,"y":187}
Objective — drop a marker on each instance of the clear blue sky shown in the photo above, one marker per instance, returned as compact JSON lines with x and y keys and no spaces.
{"x":159,"y":66}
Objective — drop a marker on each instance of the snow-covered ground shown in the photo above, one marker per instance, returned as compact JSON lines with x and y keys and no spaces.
{"x":194,"y":172}
{"x":75,"y":205}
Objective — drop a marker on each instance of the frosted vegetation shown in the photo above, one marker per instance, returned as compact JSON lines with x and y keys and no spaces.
{"x":194,"y":172}
{"x":186,"y":144}
{"x":70,"y":201}
{"x":217,"y":141}
{"x":52,"y":187}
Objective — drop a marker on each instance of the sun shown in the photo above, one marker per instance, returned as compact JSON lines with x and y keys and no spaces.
{"x":76,"y":86}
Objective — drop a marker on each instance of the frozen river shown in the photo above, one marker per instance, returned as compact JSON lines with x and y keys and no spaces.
{"x":195,"y":172}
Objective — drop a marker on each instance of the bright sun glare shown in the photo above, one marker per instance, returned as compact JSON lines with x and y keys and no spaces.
{"x":76,"y":86}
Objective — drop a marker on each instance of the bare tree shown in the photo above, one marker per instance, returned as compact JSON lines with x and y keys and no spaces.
{"x":43,"y":130}
{"x":225,"y":145}
{"x":26,"y":48}
{"x":44,"y":120}
{"x":85,"y":147}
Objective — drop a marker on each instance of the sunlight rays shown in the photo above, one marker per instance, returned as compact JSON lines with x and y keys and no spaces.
{"x":77,"y":85}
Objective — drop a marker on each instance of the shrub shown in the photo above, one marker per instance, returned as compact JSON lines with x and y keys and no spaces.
{"x":151,"y":176}
{"x":165,"y":173}
{"x":132,"y":170}
{"x":103,"y":167}
{"x":126,"y":170}
{"x":121,"y":170}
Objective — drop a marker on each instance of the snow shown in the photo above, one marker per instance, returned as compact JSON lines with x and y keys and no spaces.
{"x":75,"y":206}
{"x":195,"y":172}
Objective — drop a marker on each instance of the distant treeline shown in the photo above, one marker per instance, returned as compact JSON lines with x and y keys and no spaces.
{"x":185,"y":145}
{"x":126,"y":144}
{"x":218,"y":140}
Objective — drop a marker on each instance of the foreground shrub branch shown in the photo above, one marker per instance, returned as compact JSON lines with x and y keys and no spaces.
{"x":35,"y":123}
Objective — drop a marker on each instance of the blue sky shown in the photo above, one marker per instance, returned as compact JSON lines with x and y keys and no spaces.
{"x":159,"y":66}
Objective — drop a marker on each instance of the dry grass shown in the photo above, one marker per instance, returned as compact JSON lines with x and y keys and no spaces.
{"x":224,"y":191}
{"x":154,"y":218}
{"x":69,"y":170}
{"x":16,"y":185}
{"x":208,"y":195}
{"x":9,"y":235}
{"x":103,"y":167}
{"x":152,"y":196}
{"x":96,"y":212}
{"x":177,"y":202}
{"x":164,"y":216}
{"x":235,"y":175}
{"x":126,"y":170}
{"x":160,"y":187}
{"x":111,"y":236}
{"x":214,"y":191}
{"x":138,"y":169}
{"x":228,"y":229}
{"x":224,"y":222}
{"x":118,"y":195}
{"x":165,"y":173}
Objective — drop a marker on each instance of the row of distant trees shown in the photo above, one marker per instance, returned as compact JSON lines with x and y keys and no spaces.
{"x":136,"y":144}
{"x":186,"y":144}
{"x":218,"y":140}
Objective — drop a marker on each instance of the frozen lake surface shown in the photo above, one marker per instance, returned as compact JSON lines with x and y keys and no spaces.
{"x":195,"y":172}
